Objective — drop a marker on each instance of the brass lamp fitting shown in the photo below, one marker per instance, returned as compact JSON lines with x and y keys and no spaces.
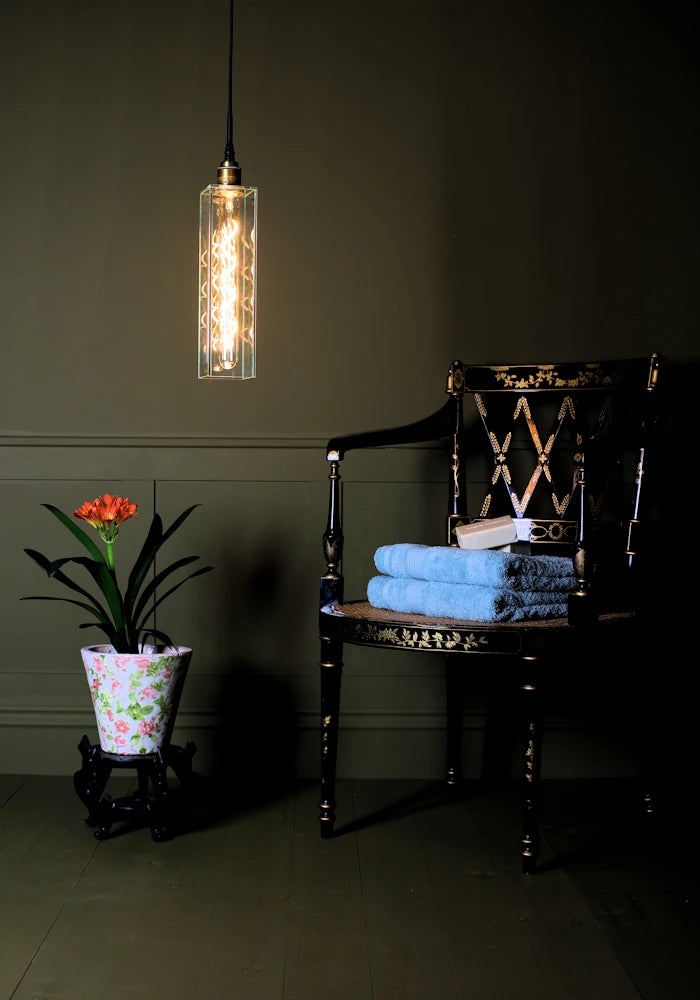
{"x":228,"y":173}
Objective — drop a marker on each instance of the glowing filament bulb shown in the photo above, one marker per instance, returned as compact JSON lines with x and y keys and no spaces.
{"x":227,"y":282}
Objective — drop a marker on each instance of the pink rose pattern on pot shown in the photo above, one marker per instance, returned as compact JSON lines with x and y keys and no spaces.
{"x":134,"y":696}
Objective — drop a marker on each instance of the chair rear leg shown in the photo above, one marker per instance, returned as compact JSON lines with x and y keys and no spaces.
{"x":532,"y":752}
{"x":331,"y":675}
{"x":454,"y":692}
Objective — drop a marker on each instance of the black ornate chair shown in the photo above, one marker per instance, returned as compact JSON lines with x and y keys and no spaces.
{"x":567,"y":446}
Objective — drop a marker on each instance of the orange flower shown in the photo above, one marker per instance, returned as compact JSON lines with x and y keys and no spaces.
{"x":106,"y":513}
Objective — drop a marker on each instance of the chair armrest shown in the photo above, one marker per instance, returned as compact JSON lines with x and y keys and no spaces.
{"x":439,"y":425}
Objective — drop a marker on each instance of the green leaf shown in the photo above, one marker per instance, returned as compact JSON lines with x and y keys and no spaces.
{"x":45,"y":564}
{"x":78,"y":532}
{"x":199,"y":572}
{"x":69,"y":600}
{"x":104,"y":579}
{"x":150,"y":589}
{"x":178,"y":521}
{"x":55,"y":565}
{"x":159,"y":638}
{"x":108,"y":631}
{"x":154,"y":540}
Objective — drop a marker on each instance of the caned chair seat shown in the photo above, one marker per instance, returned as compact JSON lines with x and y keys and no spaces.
{"x":364,"y":620}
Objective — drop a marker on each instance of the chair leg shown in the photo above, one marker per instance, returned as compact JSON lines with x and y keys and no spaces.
{"x":646,"y":760}
{"x":454,"y":692}
{"x":331,"y":675}
{"x":532,"y":747}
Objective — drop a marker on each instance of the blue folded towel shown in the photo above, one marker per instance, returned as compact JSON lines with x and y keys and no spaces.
{"x":486,"y":567}
{"x":463,"y":600}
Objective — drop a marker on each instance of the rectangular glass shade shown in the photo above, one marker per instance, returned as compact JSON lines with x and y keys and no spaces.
{"x":227,"y":292}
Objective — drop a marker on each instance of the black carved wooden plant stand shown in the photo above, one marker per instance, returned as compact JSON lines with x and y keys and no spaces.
{"x":158,"y":808}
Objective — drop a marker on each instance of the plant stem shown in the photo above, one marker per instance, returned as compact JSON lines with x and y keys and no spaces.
{"x":123,"y":638}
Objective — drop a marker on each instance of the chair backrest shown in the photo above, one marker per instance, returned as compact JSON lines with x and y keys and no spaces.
{"x":564,"y":446}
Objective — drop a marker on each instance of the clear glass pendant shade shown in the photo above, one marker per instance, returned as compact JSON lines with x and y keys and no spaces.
{"x":227,"y":292}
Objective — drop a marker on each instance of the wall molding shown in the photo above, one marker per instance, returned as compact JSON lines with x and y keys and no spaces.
{"x":398,"y":744}
{"x":61,"y":717}
{"x":289,"y":460}
{"x":158,"y":441}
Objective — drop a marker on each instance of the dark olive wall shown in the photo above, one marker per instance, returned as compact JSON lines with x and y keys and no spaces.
{"x":511,"y":179}
{"x":505,"y":180}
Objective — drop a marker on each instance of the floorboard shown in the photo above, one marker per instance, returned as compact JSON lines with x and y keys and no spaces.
{"x":574,"y":955}
{"x":481,"y":920}
{"x":418,"y":896}
{"x":326,"y":956}
{"x":9,"y":784}
{"x":44,"y":852}
{"x":409,"y":954}
{"x":199,"y":915}
{"x":639,"y":876}
{"x":245,"y":939}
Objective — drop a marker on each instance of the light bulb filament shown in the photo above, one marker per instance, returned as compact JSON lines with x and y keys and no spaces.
{"x":225,"y":292}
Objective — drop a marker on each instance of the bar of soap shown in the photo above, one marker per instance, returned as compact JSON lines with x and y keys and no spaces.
{"x":487,"y":534}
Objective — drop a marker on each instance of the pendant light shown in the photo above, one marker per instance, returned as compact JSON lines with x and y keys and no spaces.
{"x":227,"y":263}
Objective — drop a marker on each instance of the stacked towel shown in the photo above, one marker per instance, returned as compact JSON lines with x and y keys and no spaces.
{"x":478,"y":585}
{"x":463,"y":600}
{"x":486,"y":567}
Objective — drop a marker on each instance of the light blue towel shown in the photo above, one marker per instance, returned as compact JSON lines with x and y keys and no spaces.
{"x":464,"y":600}
{"x":486,"y":567}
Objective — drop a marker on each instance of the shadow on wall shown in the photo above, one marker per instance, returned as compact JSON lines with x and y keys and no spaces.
{"x":256,"y":742}
{"x":255,"y":745}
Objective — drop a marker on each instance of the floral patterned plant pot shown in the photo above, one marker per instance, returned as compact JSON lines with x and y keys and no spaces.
{"x":135,"y":695}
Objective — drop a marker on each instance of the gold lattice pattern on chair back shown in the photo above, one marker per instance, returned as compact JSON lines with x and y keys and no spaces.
{"x":524,"y":444}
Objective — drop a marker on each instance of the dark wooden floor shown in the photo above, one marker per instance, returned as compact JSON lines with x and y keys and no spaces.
{"x":417,"y":898}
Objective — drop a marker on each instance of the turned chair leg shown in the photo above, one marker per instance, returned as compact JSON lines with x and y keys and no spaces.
{"x":532,"y":751}
{"x":454,"y":691}
{"x":331,"y":674}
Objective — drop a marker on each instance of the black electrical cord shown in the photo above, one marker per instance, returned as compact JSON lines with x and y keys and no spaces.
{"x":230,"y":154}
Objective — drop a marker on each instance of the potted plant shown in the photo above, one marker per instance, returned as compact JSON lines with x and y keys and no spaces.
{"x":135,"y":685}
